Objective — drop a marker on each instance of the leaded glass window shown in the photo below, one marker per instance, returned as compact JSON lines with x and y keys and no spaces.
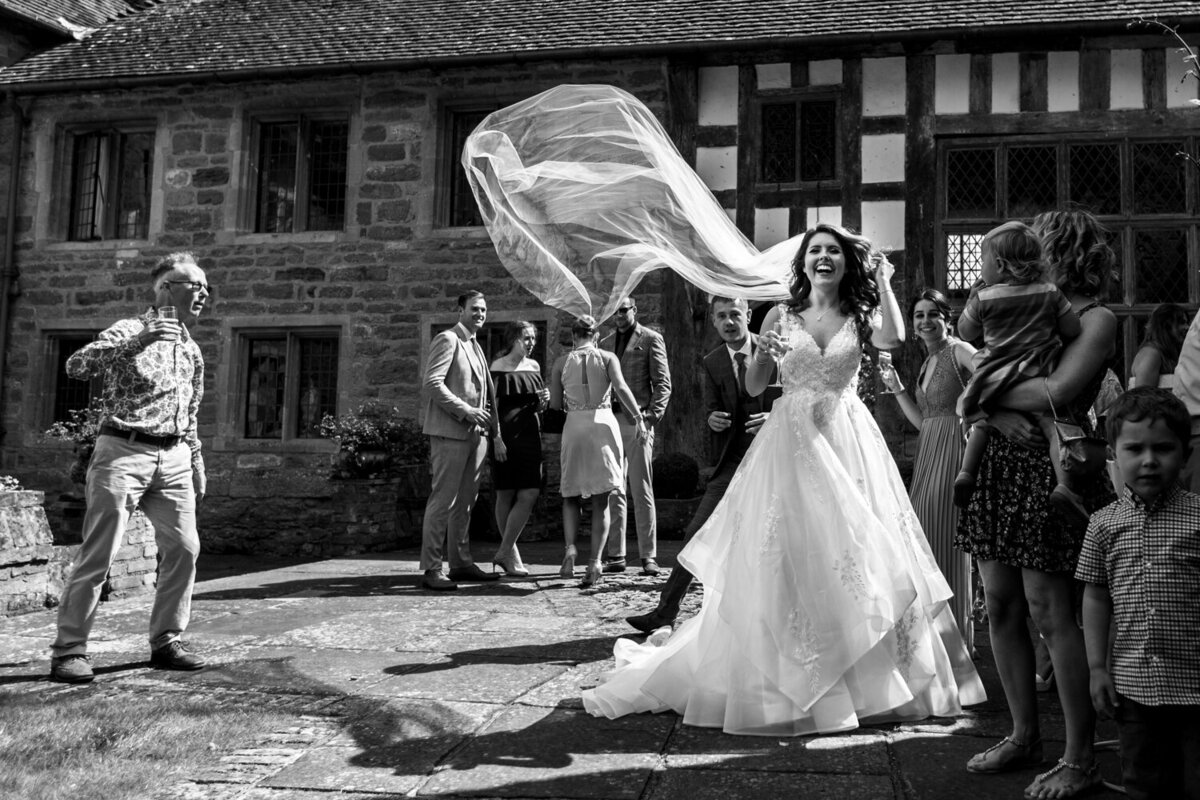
{"x":290,"y":383}
{"x":111,"y":176}
{"x":301,"y":175}
{"x":798,"y":140}
{"x":971,"y":183}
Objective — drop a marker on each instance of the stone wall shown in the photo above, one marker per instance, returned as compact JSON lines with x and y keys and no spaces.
{"x":36,"y":560}
{"x":386,"y":282}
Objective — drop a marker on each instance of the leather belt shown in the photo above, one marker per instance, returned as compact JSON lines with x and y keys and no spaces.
{"x":165,"y":442}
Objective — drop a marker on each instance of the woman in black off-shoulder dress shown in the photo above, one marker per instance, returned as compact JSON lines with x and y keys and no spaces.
{"x":516,"y":457}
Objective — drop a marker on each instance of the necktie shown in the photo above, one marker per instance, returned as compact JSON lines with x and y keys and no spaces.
{"x":740,"y":358}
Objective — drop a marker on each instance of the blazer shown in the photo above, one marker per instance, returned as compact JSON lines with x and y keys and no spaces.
{"x":721,"y":394}
{"x":454,"y":384}
{"x":644,"y":367}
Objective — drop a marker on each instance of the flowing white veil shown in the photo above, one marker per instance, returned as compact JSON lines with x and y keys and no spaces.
{"x":584,"y":194}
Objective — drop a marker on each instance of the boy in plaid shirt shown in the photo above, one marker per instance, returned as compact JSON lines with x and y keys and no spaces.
{"x":1141,"y":563}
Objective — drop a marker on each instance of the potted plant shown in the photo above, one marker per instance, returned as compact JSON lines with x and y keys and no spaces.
{"x":81,"y":430}
{"x":375,"y":441}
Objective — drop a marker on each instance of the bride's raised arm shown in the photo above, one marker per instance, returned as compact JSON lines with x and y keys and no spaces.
{"x":888,"y":325}
{"x":758,"y":374}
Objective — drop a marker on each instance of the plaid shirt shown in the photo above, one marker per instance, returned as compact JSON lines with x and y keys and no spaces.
{"x":154,"y":389}
{"x":1149,"y":558}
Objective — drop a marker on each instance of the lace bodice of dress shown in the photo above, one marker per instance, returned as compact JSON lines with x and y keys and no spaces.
{"x":585,"y":381}
{"x":940,"y":397}
{"x":807,"y":370}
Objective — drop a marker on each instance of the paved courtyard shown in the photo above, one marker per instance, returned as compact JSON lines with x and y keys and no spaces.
{"x":400,"y":692}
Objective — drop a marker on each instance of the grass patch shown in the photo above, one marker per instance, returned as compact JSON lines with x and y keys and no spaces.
{"x":124,"y":746}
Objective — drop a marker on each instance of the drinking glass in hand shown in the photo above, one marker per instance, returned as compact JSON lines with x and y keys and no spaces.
{"x":886,"y":371}
{"x":167,"y":312}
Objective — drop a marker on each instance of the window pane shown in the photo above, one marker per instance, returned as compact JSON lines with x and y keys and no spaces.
{"x":463,"y":209}
{"x":1095,"y":177}
{"x":818,"y":140}
{"x":277,"y":153}
{"x":71,"y":394}
{"x":133,"y":201}
{"x":964,"y":261}
{"x":1158,"y":180}
{"x":971,"y":183}
{"x":327,"y":179}
{"x":266,"y":373}
{"x":318,"y":384}
{"x":1032,"y":176}
{"x":1160,"y":266}
{"x":86,"y":187}
{"x":779,"y":142}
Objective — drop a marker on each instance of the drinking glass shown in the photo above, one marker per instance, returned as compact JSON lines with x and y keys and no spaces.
{"x":167,"y":312}
{"x":886,"y":369}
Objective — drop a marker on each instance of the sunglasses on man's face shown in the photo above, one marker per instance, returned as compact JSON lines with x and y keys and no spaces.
{"x":195,"y":286}
{"x":625,"y":309}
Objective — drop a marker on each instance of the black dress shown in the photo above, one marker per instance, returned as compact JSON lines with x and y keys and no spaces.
{"x":518,"y":400}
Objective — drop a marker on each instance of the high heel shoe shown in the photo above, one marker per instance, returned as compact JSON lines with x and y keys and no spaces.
{"x":591,"y":576}
{"x":511,"y":564}
{"x":567,"y":570}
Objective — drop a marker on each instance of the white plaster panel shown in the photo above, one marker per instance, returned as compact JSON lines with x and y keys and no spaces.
{"x":825,"y":73}
{"x":1125,"y":86}
{"x":883,"y":86}
{"x":883,"y":158}
{"x":883,"y":223}
{"x":1181,"y":87}
{"x":1006,"y":83}
{"x":1062,"y":81}
{"x":952,"y":84}
{"x":774,"y":76}
{"x":717,"y":167}
{"x":718,"y":96}
{"x":770,"y":226}
{"x":830,"y":214}
{"x":731,"y":213}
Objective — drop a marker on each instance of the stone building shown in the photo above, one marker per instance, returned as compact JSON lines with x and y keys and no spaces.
{"x":307,"y":153}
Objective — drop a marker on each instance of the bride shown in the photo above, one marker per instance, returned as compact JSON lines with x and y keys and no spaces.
{"x":823,"y":606}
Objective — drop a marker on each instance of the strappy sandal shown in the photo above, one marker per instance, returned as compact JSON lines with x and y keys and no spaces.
{"x":1091,"y":779}
{"x":1025,"y":755}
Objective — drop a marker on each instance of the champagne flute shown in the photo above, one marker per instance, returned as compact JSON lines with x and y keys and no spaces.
{"x":886,"y":369}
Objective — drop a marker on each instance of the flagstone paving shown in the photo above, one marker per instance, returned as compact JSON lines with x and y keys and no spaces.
{"x":400,"y":692}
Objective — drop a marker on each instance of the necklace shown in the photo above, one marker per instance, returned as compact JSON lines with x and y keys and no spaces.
{"x":821,"y":316}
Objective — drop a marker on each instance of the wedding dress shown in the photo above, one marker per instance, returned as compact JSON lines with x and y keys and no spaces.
{"x":823,"y":605}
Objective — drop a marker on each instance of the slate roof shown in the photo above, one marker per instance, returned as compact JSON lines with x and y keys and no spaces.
{"x":197,"y":39}
{"x":85,"y":13}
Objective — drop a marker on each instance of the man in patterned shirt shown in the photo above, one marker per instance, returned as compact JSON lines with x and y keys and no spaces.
{"x":147,"y":455}
{"x":1141,"y":562}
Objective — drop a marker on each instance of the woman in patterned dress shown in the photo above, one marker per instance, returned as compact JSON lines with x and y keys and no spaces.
{"x":1025,"y":549}
{"x":942,"y":378}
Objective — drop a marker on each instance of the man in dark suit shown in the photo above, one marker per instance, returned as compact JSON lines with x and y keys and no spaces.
{"x":734,"y":417}
{"x":643,"y":358}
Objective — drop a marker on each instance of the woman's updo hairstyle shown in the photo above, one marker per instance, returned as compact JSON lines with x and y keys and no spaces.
{"x":584,"y":327}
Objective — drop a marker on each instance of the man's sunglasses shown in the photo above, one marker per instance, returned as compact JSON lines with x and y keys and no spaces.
{"x":625,"y":309}
{"x":195,"y":286}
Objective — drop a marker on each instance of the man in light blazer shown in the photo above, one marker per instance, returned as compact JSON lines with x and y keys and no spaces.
{"x":643,"y":357}
{"x":734,"y":417}
{"x":459,"y":403}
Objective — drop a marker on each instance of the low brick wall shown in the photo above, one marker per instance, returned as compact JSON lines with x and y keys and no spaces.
{"x":35,"y":559}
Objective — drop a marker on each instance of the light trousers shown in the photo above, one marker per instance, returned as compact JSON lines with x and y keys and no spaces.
{"x":456,"y":467}
{"x":639,"y":478}
{"x":121,"y":477}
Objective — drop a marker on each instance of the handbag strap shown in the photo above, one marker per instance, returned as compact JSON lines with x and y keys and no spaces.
{"x":1049,"y":399}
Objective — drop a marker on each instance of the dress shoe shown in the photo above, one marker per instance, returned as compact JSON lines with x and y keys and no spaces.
{"x":472,"y":573}
{"x":567,"y":570}
{"x":650,"y":567}
{"x":173,"y":655}
{"x":591,"y":576}
{"x":436,"y":581}
{"x":615,"y":564}
{"x":74,"y":668}
{"x":650,"y":622}
{"x":510,"y":564}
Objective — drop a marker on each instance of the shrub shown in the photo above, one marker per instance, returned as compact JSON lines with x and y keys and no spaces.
{"x":375,"y":428}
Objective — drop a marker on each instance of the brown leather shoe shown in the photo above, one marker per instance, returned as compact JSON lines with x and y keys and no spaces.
{"x":472,"y":573}
{"x":436,"y":581}
{"x":173,"y":655}
{"x":75,"y":668}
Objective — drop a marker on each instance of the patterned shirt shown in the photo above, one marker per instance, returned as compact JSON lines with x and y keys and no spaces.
{"x":154,"y":389}
{"x":1017,"y":317}
{"x":1149,"y":558}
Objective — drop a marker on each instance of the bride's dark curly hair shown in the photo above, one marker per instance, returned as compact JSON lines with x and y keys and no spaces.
{"x":858,"y":293}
